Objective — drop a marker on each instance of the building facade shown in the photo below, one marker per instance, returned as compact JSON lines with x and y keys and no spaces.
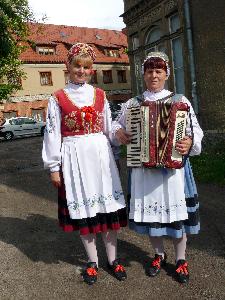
{"x":45,"y":69}
{"x":192,"y":34}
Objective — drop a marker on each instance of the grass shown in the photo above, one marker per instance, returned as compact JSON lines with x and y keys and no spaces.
{"x":209,"y":167}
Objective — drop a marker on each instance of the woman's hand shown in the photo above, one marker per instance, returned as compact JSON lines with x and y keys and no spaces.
{"x":123,"y":137}
{"x":56,"y":179}
{"x":183,"y":146}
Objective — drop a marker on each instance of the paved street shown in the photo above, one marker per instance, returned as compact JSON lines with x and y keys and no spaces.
{"x":39,"y":261}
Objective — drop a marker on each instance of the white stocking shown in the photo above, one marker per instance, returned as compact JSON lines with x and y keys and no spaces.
{"x":89,"y":242}
{"x":180,"y":247}
{"x":110,"y":241}
{"x":157,"y":244}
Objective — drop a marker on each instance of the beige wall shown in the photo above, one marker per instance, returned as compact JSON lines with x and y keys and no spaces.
{"x":115,"y":85}
{"x":31,"y":85}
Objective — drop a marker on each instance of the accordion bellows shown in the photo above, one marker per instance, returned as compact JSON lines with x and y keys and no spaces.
{"x":156,"y":126}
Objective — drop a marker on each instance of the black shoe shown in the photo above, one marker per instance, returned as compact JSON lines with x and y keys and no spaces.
{"x":90,"y":273}
{"x":182,"y":273}
{"x":156,"y":265}
{"x":118,"y":270}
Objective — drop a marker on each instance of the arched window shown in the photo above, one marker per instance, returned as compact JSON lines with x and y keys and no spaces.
{"x":154,"y":42}
{"x":153,"y":36}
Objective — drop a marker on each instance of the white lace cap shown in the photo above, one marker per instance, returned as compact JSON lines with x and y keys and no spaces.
{"x":157,"y":54}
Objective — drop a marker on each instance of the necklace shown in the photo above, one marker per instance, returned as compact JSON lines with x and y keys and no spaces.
{"x":77,"y":83}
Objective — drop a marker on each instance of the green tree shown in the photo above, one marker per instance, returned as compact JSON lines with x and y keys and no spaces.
{"x":14,"y":16}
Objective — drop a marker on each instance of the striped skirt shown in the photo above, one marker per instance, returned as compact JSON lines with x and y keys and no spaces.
{"x":176,"y":229}
{"x":100,"y":223}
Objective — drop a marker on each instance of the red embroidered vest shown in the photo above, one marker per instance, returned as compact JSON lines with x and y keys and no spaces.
{"x":84,"y":120}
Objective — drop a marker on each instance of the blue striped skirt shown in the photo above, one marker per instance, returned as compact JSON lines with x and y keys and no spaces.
{"x":175,"y":229}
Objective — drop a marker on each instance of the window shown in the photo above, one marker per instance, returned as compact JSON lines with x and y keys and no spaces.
{"x":135,"y":41}
{"x":66,"y":76}
{"x":178,"y":65}
{"x":138,"y":74}
{"x":112,"y":52}
{"x":16,"y":122}
{"x":15,"y":81}
{"x":9,"y":114}
{"x":174,"y":23}
{"x":107,"y":76}
{"x":29,"y":121}
{"x":38,"y":114}
{"x":45,"y":50}
{"x":121,"y":74}
{"x":46,"y":78}
{"x":160,"y":47}
{"x":153,"y":36}
{"x":94,"y":78}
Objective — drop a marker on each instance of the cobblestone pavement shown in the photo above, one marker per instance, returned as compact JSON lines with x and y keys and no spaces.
{"x":39,"y":261}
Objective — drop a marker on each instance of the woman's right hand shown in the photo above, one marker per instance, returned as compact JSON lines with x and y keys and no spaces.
{"x":56,"y":179}
{"x":123,"y":136}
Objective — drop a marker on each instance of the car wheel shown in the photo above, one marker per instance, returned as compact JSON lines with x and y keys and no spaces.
{"x":8,"y":135}
{"x":42,"y":130}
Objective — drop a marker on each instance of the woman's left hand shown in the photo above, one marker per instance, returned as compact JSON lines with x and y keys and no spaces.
{"x":183,"y":146}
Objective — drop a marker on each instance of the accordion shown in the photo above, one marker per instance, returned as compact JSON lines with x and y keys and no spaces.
{"x":155,"y":127}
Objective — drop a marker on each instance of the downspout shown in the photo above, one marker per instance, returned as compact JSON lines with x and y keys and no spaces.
{"x":191,"y":55}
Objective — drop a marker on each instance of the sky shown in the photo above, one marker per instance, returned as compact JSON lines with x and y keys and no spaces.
{"x":82,"y":13}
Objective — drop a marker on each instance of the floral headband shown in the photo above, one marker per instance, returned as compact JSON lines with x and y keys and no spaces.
{"x":80,"y":49}
{"x":161,"y":55}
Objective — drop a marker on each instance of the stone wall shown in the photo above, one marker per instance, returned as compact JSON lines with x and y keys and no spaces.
{"x":208,"y":27}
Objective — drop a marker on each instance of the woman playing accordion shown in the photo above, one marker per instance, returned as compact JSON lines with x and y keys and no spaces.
{"x":163,"y":201}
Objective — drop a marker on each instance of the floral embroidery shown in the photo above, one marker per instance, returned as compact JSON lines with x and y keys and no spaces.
{"x":91,"y":202}
{"x":155,"y":209}
{"x":50,"y":123}
{"x":86,"y":119}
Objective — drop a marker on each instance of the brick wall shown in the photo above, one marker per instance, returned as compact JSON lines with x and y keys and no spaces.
{"x":23,"y":108}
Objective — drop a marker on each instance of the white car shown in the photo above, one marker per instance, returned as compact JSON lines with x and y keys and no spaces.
{"x":21,"y":126}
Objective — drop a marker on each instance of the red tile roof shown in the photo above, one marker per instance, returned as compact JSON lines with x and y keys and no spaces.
{"x":63,"y":37}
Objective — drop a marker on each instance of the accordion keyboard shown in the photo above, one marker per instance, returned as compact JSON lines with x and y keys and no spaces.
{"x":133,"y":121}
{"x":180,"y":128}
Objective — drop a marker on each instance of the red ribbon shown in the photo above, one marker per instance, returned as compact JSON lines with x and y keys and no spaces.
{"x":182,"y":269}
{"x":156,"y":262}
{"x":91,"y":271}
{"x":119,"y":268}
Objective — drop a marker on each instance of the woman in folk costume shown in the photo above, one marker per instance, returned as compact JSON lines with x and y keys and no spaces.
{"x":157,"y":205}
{"x":77,"y":151}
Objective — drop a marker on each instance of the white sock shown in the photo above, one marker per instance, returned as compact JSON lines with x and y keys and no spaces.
{"x":110,"y":241}
{"x":157,"y":244}
{"x":89,"y":242}
{"x":180,"y":247}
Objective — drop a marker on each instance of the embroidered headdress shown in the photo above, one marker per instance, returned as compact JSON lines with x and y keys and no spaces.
{"x":161,"y":55}
{"x":80,"y":49}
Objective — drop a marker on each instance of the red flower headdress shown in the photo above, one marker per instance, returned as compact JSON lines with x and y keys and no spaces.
{"x":79,"y":49}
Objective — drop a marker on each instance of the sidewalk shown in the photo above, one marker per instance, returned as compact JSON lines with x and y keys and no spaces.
{"x":39,"y":261}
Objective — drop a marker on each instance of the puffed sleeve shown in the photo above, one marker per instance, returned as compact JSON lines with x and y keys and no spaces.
{"x":192,"y":124}
{"x":107,"y":118}
{"x":120,"y":121}
{"x":51,"y":151}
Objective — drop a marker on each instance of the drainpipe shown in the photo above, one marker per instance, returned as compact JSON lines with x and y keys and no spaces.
{"x":191,"y":55}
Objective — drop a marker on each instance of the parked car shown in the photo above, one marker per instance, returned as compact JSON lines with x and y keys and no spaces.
{"x":115,"y":107}
{"x":21,"y":126}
